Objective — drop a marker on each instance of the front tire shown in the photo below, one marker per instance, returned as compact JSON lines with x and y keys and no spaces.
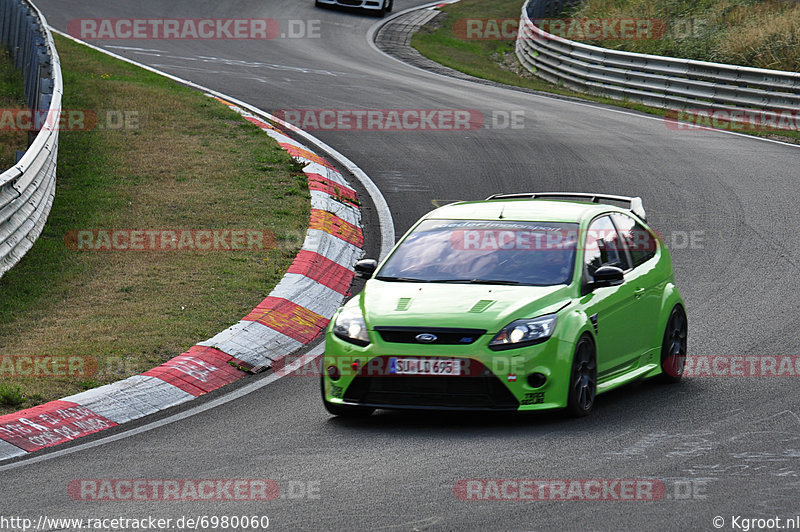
{"x":343,"y":410}
{"x":583,"y":379}
{"x":673,"y":348}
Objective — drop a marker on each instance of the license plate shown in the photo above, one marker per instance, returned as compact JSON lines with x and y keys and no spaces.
{"x":424,"y":366}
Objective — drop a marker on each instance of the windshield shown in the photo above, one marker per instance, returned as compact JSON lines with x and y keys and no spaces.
{"x":491,"y":252}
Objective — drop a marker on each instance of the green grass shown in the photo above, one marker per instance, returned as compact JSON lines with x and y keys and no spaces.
{"x":11,"y":395}
{"x":495,"y":60}
{"x":12,"y":96}
{"x":191,"y":163}
{"x":755,"y":33}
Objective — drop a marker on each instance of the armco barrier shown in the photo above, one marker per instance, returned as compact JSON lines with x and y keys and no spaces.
{"x":27,"y":189}
{"x":650,"y":79}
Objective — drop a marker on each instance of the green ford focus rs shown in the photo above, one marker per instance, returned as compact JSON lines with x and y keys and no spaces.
{"x":519,"y":302}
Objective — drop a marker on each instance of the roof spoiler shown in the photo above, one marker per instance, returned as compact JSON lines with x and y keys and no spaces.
{"x":634,"y":204}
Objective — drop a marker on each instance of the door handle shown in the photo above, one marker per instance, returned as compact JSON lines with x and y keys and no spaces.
{"x":639,"y":292}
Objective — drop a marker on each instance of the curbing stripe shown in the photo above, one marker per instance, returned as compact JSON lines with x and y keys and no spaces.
{"x":330,"y":247}
{"x":325,"y":221}
{"x":8,"y":451}
{"x":325,"y":202}
{"x":253,"y":343}
{"x":289,"y":318}
{"x":198,"y":371}
{"x":305,"y":155}
{"x":308,"y":293}
{"x":313,"y":291}
{"x":132,"y":398}
{"x":332,"y":188}
{"x":327,"y":173}
{"x":323,"y":270}
{"x":50,"y":424}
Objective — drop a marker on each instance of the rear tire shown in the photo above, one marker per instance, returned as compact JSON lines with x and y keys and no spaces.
{"x":343,"y":410}
{"x":583,"y":379}
{"x":673,"y":348}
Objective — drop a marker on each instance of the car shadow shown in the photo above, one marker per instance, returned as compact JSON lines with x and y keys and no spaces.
{"x":637,"y":400}
{"x":352,"y":10}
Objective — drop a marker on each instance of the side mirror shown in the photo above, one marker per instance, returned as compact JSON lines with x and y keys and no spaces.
{"x":607,"y":276}
{"x":366,"y":267}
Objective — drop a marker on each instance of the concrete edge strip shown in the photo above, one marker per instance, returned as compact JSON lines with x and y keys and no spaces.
{"x":251,"y":344}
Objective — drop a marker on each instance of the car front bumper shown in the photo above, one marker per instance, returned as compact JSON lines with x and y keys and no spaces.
{"x":362,"y":4}
{"x":490,"y":380}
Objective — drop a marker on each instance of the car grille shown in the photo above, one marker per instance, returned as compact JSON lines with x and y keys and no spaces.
{"x":445,"y":336}
{"x":479,"y":390}
{"x":350,"y":2}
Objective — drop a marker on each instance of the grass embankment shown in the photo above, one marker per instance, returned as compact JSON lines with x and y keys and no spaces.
{"x":12,"y":96}
{"x":495,"y":60}
{"x":755,"y":33}
{"x":183,"y":161}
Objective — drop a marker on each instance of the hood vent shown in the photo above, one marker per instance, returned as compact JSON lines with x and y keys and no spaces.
{"x":481,"y":305}
{"x":403,"y":303}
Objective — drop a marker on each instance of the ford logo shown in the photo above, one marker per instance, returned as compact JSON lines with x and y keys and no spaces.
{"x":427,"y":338}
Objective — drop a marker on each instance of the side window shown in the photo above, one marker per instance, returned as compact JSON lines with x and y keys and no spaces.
{"x":636,"y":238}
{"x":603,"y":247}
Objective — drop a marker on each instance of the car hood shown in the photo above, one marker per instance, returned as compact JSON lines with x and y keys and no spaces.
{"x":489,"y":307}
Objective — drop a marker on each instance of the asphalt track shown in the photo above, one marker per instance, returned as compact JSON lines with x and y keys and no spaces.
{"x":737,"y":439}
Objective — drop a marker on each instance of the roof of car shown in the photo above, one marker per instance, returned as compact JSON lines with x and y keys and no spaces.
{"x":522,"y":210}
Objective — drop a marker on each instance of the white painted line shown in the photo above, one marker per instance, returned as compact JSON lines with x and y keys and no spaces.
{"x":235,"y":394}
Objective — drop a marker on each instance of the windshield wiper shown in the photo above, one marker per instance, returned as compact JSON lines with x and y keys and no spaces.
{"x":400,"y":279}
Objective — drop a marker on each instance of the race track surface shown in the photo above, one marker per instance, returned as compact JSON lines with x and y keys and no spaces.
{"x":736,"y":440}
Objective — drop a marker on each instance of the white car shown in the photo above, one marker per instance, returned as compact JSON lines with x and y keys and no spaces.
{"x":380,"y":6}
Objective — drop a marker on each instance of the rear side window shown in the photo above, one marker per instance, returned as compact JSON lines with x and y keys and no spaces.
{"x":640,"y":243}
{"x":603,"y":247}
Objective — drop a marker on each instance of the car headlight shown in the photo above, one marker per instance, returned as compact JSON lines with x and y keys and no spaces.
{"x":520,"y":333}
{"x":350,"y":326}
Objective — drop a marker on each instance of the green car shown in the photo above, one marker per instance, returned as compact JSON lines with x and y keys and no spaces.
{"x":519,"y":302}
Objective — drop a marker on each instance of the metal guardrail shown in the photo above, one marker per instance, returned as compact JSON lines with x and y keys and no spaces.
{"x":649,"y":79}
{"x":27,"y":189}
